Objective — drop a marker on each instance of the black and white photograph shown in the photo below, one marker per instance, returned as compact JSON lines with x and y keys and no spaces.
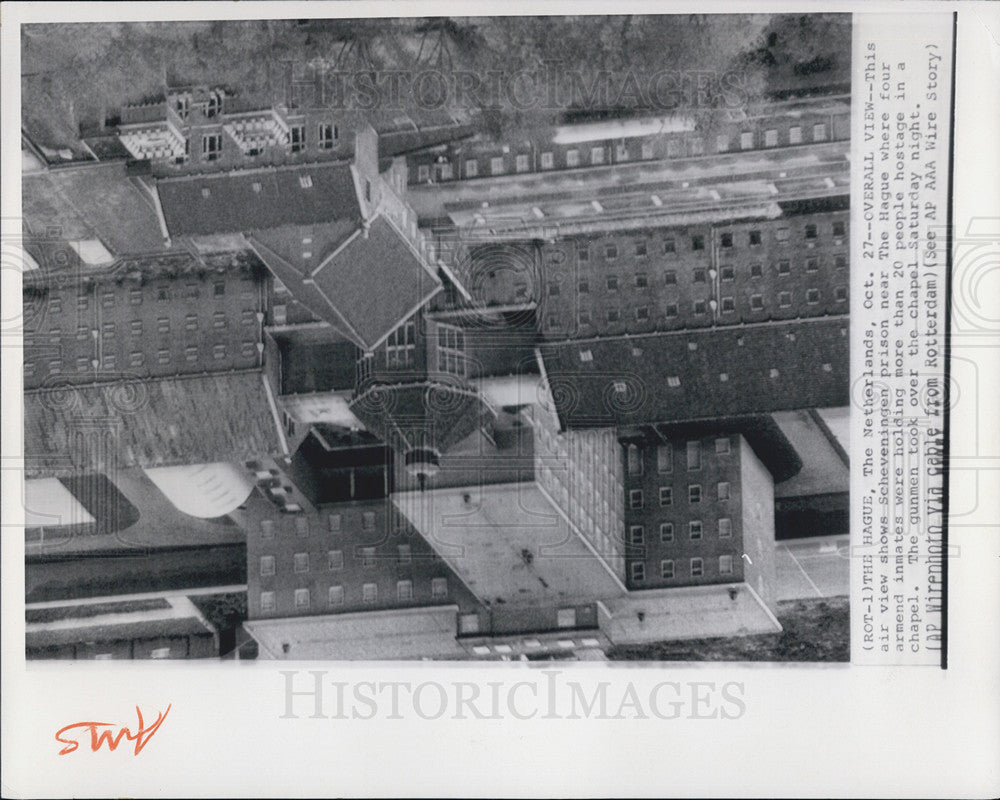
{"x":335,"y":350}
{"x":412,"y":398}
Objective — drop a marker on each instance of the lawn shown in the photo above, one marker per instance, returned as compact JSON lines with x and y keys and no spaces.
{"x":814,"y":631}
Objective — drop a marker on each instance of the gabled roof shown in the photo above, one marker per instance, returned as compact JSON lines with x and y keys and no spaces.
{"x":366,"y":285}
{"x":699,"y":374}
{"x":181,"y":420}
{"x":237,"y":202}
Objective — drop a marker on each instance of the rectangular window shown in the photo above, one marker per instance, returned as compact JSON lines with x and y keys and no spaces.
{"x":666,"y":569}
{"x":812,"y":296}
{"x":782,"y":234}
{"x":468,"y":623}
{"x":219,"y":321}
{"x":666,"y":496}
{"x":728,"y":274}
{"x":267,"y":602}
{"x":566,"y":618}
{"x":698,"y":276}
{"x":669,"y":245}
{"x":635,"y":498}
{"x":636,"y":535}
{"x":613,"y":315}
{"x":812,"y":264}
{"x":725,"y":528}
{"x":784,"y":299}
{"x":572,"y":158}
{"x":634,"y":460}
{"x":841,"y":294}
{"x":611,"y":251}
{"x":728,"y":305}
{"x":670,"y":277}
{"x":547,"y":161}
{"x":301,"y":526}
{"x":82,"y":364}
{"x":190,"y":353}
{"x":612,"y":283}
{"x":694,"y":493}
{"x":301,"y":598}
{"x":218,"y":351}
{"x":405,"y":554}
{"x":368,"y":557}
{"x":725,"y":565}
{"x":726,"y":239}
{"x":638,"y":570}
{"x":451,"y":350}
{"x":335,"y":596}
{"x":670,"y":310}
{"x":694,"y":529}
{"x":135,"y":297}
{"x":666,"y":532}
{"x":784,"y":267}
{"x":641,"y":248}
{"x":694,"y":455}
{"x":596,"y":155}
{"x":369,"y":593}
{"x":810,"y":231}
{"x":722,"y":446}
{"x":404,"y":591}
{"x":335,"y":560}
{"x":819,"y":132}
{"x":301,"y":562}
{"x":722,"y":490}
{"x":583,"y":253}
{"x":839,"y":229}
{"x":673,"y":148}
{"x":368,"y":521}
{"x":211,"y":146}
{"x":722,"y":142}
{"x":162,"y":356}
{"x":471,"y":168}
{"x":756,"y":271}
{"x":423,"y":173}
{"x":326,"y":134}
{"x":641,"y":280}
{"x":298,"y":138}
{"x":795,"y":135}
{"x":136,"y":359}
{"x":642,"y":313}
{"x":664,"y":458}
{"x":439,"y":588}
{"x":757,"y":302}
{"x":521,"y":163}
{"x":496,"y":165}
{"x":746,"y":140}
{"x":266,"y":565}
{"x":697,"y":568}
{"x":697,"y":242}
{"x":647,"y":149}
{"x":400,"y":347}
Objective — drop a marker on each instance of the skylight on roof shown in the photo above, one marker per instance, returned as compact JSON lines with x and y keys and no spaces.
{"x":620,"y":387}
{"x":673,"y":381}
{"x":206,"y":192}
{"x":586,"y":355}
{"x":774,"y":373}
{"x":305,"y":181}
{"x":257,"y":187}
{"x":723,"y":376}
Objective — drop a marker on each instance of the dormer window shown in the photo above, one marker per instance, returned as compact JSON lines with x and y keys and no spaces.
{"x":305,"y":181}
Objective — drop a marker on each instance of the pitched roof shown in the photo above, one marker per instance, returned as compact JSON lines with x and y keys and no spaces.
{"x":79,"y":204}
{"x":179,"y":420}
{"x":678,"y":376}
{"x":366,"y":288}
{"x":236,"y":202}
{"x":425,"y":414}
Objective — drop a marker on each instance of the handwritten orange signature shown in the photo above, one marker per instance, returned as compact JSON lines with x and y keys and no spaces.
{"x":102,"y":732}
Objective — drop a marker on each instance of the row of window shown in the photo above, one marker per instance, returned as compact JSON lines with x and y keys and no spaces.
{"x":135,"y":296}
{"x":335,"y":560}
{"x":727,"y":305}
{"x":636,"y":499}
{"x":696,"y":242}
{"x":665,"y":452}
{"x":668,"y":568}
{"x":334,"y":524}
{"x":137,"y":358}
{"x":336,"y":595}
{"x":599,"y":155}
{"x":326,"y":135}
{"x":727,"y":273}
{"x":696,"y":528}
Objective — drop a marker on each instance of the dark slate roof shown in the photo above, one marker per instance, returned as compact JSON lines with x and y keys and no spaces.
{"x":232,"y":205}
{"x":375,"y":282}
{"x":91,"y":202}
{"x":180,"y":420}
{"x":585,"y":393}
{"x":426,"y":414}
